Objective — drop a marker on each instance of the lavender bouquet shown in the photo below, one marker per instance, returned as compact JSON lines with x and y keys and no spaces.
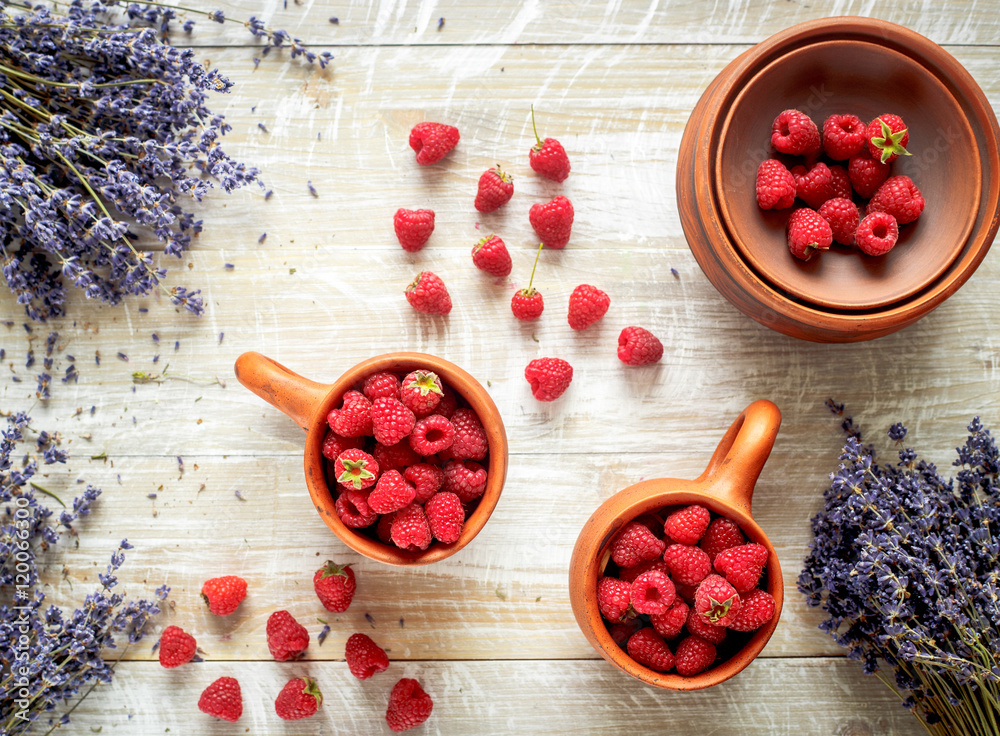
{"x":47,"y":657}
{"x":907,"y":565}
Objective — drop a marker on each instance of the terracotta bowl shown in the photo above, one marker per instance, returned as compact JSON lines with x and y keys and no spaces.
{"x":308,"y":403}
{"x":725,"y":488}
{"x":867,"y":67}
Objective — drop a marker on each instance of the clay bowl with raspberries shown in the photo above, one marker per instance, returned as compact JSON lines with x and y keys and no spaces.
{"x":656,"y":570}
{"x":399,"y":485}
{"x":852,"y":289}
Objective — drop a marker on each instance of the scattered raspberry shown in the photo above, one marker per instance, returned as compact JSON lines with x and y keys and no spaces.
{"x":549,"y":377}
{"x":491,"y":256}
{"x":356,"y":468}
{"x":299,"y":698}
{"x":381,"y":384}
{"x":693,"y":655}
{"x":391,"y":420}
{"x":721,"y":534}
{"x":413,"y":228}
{"x":224,"y":595}
{"x":410,"y":530}
{"x":334,"y":444}
{"x":527,"y":304}
{"x":222,"y":699}
{"x":445,"y":517}
{"x":394,"y":457}
{"x":391,"y":493}
{"x":844,"y":136}
{"x":495,"y":190}
{"x":587,"y":304}
{"x":639,"y":346}
{"x":843,"y":217}
{"x":687,"y":525}
{"x":899,"y":197}
{"x":353,"y":510}
{"x":688,"y":565}
{"x":428,"y":294}
{"x":465,"y":478}
{"x":701,"y":627}
{"x":813,"y":185}
{"x":552,"y":221}
{"x":807,"y":233}
{"x":335,"y":585}
{"x":614,"y":599}
{"x":841,"y":182}
{"x":432,"y":141}
{"x":866,"y":173}
{"x":548,"y":157}
{"x":177,"y":647}
{"x":647,"y":648}
{"x":670,"y":623}
{"x":877,"y":233}
{"x":286,"y":638}
{"x":431,"y":435}
{"x":353,"y":418}
{"x":635,"y":544}
{"x":629,"y":574}
{"x":887,"y":138}
{"x":470,"y":437}
{"x":409,"y":705}
{"x":622,"y":631}
{"x":716,"y":600}
{"x":742,"y":566}
{"x":775,"y":185}
{"x":421,"y":392}
{"x":757,"y":610}
{"x":794,"y":132}
{"x":652,"y":592}
{"x":426,"y":480}
{"x":364,"y":657}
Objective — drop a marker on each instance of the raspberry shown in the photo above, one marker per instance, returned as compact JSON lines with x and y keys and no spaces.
{"x":286,"y":638}
{"x":356,"y":468}
{"x":449,"y":402}
{"x":552,"y":221}
{"x":842,"y":215}
{"x":391,"y":493}
{"x":353,"y":418}
{"x":224,"y":595}
{"x":334,"y":444}
{"x":495,"y":190}
{"x":700,"y":626}
{"x":335,"y":585}
{"x":639,"y":346}
{"x":587,"y":304}
{"x":548,"y":377}
{"x":353,"y":510}
{"x":721,"y":534}
{"x":688,"y":565}
{"x":409,"y":705}
{"x":299,"y":698}
{"x":635,"y":544}
{"x":629,"y":574}
{"x":808,"y":233}
{"x":394,"y":457}
{"x":716,"y":600}
{"x":391,"y":420}
{"x":685,"y":592}
{"x":431,"y":435}
{"x":548,"y":157}
{"x":652,"y":592}
{"x":899,"y":197}
{"x":426,"y":479}
{"x":670,"y":623}
{"x":381,"y":384}
{"x":614,"y":599}
{"x":527,"y":304}
{"x":887,"y":138}
{"x":757,"y":610}
{"x":687,"y":525}
{"x":364,"y":657}
{"x":742,"y":566}
{"x":622,"y":631}
{"x":413,"y":228}
{"x":647,"y":648}
{"x":222,"y":699}
{"x":177,"y":647}
{"x":445,"y":517}
{"x":433,"y":141}
{"x":843,"y":136}
{"x":794,"y":132}
{"x":421,"y":392}
{"x":877,"y":233}
{"x":840,"y":182}
{"x":409,"y":528}
{"x":866,"y":173}
{"x":813,"y":185}
{"x":693,"y":655}
{"x":491,"y":256}
{"x":775,"y":185}
{"x":470,"y":437}
{"x":428,"y":294}
{"x":465,"y":478}
{"x":383,"y":529}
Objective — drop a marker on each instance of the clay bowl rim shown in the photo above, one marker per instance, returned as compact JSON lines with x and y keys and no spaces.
{"x":466,"y":386}
{"x":592,"y":548}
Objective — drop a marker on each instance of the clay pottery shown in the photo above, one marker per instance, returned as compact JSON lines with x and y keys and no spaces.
{"x":725,"y":488}
{"x":307,"y":403}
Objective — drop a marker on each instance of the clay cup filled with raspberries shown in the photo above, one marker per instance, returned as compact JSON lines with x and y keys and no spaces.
{"x":672,"y":581}
{"x":405,"y":456}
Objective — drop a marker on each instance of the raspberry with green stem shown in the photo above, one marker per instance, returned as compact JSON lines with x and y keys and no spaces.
{"x":527,"y":304}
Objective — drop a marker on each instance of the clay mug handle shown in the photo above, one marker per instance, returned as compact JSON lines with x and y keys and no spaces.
{"x":283,"y":389}
{"x":741,"y":454}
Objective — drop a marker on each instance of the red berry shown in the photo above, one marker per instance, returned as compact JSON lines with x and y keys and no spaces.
{"x":527,"y":304}
{"x":877,"y":233}
{"x":334,"y":444}
{"x":495,"y":190}
{"x":843,"y":136}
{"x":299,"y":698}
{"x":647,"y":648}
{"x":742,"y":566}
{"x":548,"y":157}
{"x":364,"y":657}
{"x":794,"y":132}
{"x":465,"y":478}
{"x":445,"y":517}
{"x":775,"y":185}
{"x":421,"y":392}
{"x":394,"y":457}
{"x":757,"y":610}
{"x":716,"y":600}
{"x":670,"y":623}
{"x":549,"y":377}
{"x":614,"y":599}
{"x":409,"y":528}
{"x":409,"y":705}
{"x":391,"y":493}
{"x":635,"y":544}
{"x":652,"y":592}
{"x":702,"y":627}
{"x":470,"y":437}
{"x":286,"y":638}
{"x":587,"y":304}
{"x":552,"y":221}
{"x":177,"y":647}
{"x":432,"y":141}
{"x":356,"y":468}
{"x":887,"y":138}
{"x":449,"y":402}
{"x":899,"y":197}
{"x":392,"y":421}
{"x":688,"y":565}
{"x":693,"y":655}
{"x":866,"y":173}
{"x":384,"y":528}
{"x":222,"y":699}
{"x":335,"y":585}
{"x":352,"y":508}
{"x":224,"y":595}
{"x":813,"y":185}
{"x":622,"y":631}
{"x":431,"y":435}
{"x":413,"y":228}
{"x":841,"y":182}
{"x":629,"y":574}
{"x":808,"y":233}
{"x":843,"y":217}
{"x":428,"y":294}
{"x":721,"y":534}
{"x":687,"y":525}
{"x":381,"y":384}
{"x":491,"y":256}
{"x":426,"y":479}
{"x":639,"y":346}
{"x":353,"y":418}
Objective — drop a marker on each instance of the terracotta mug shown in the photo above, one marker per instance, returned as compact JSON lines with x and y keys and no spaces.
{"x":308,"y":404}
{"x":725,"y":488}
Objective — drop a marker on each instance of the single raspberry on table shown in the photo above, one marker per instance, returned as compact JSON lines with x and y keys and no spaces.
{"x":807,"y":233}
{"x":356,"y":468}
{"x":445,"y":517}
{"x":877,"y":234}
{"x":222,"y":699}
{"x":813,"y":185}
{"x":299,"y":698}
{"x":287,"y":639}
{"x":843,"y":217}
{"x":426,"y":480}
{"x":648,"y":648}
{"x":352,"y":508}
{"x":527,"y":304}
{"x":757,"y":610}
{"x":899,"y":197}
{"x":629,"y":574}
{"x":392,"y":421}
{"x":381,"y":384}
{"x":552,"y":221}
{"x":795,"y":132}
{"x":364,"y":657}
{"x":428,"y":294}
{"x":840,"y":183}
{"x":409,"y":528}
{"x":775,"y":185}
{"x":687,"y":525}
{"x":721,"y":534}
{"x":716,"y":600}
{"x":652,"y":592}
{"x":394,"y":457}
{"x":689,"y":565}
{"x":548,"y":377}
{"x":635,"y":544}
{"x":639,"y":346}
{"x":491,"y":256}
{"x":465,"y":478}
{"x":742,"y":566}
{"x":844,"y":136}
{"x":693,"y":655}
{"x":614,"y":599}
{"x":413,"y":228}
{"x":334,"y":444}
{"x":354,"y":416}
{"x":391,"y":493}
{"x":409,"y":705}
{"x":335,"y":586}
{"x":431,"y":435}
{"x":670,"y":623}
{"x":224,"y":595}
{"x":494,"y":191}
{"x":887,"y":138}
{"x":177,"y":647}
{"x":866,"y":173}
{"x":587,"y":304}
{"x":421,"y":392}
{"x":548,"y":157}
{"x":470,"y":437}
{"x":701,"y":626}
{"x":433,"y":141}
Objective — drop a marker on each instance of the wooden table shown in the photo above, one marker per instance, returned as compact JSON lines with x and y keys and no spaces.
{"x":489,"y":632}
